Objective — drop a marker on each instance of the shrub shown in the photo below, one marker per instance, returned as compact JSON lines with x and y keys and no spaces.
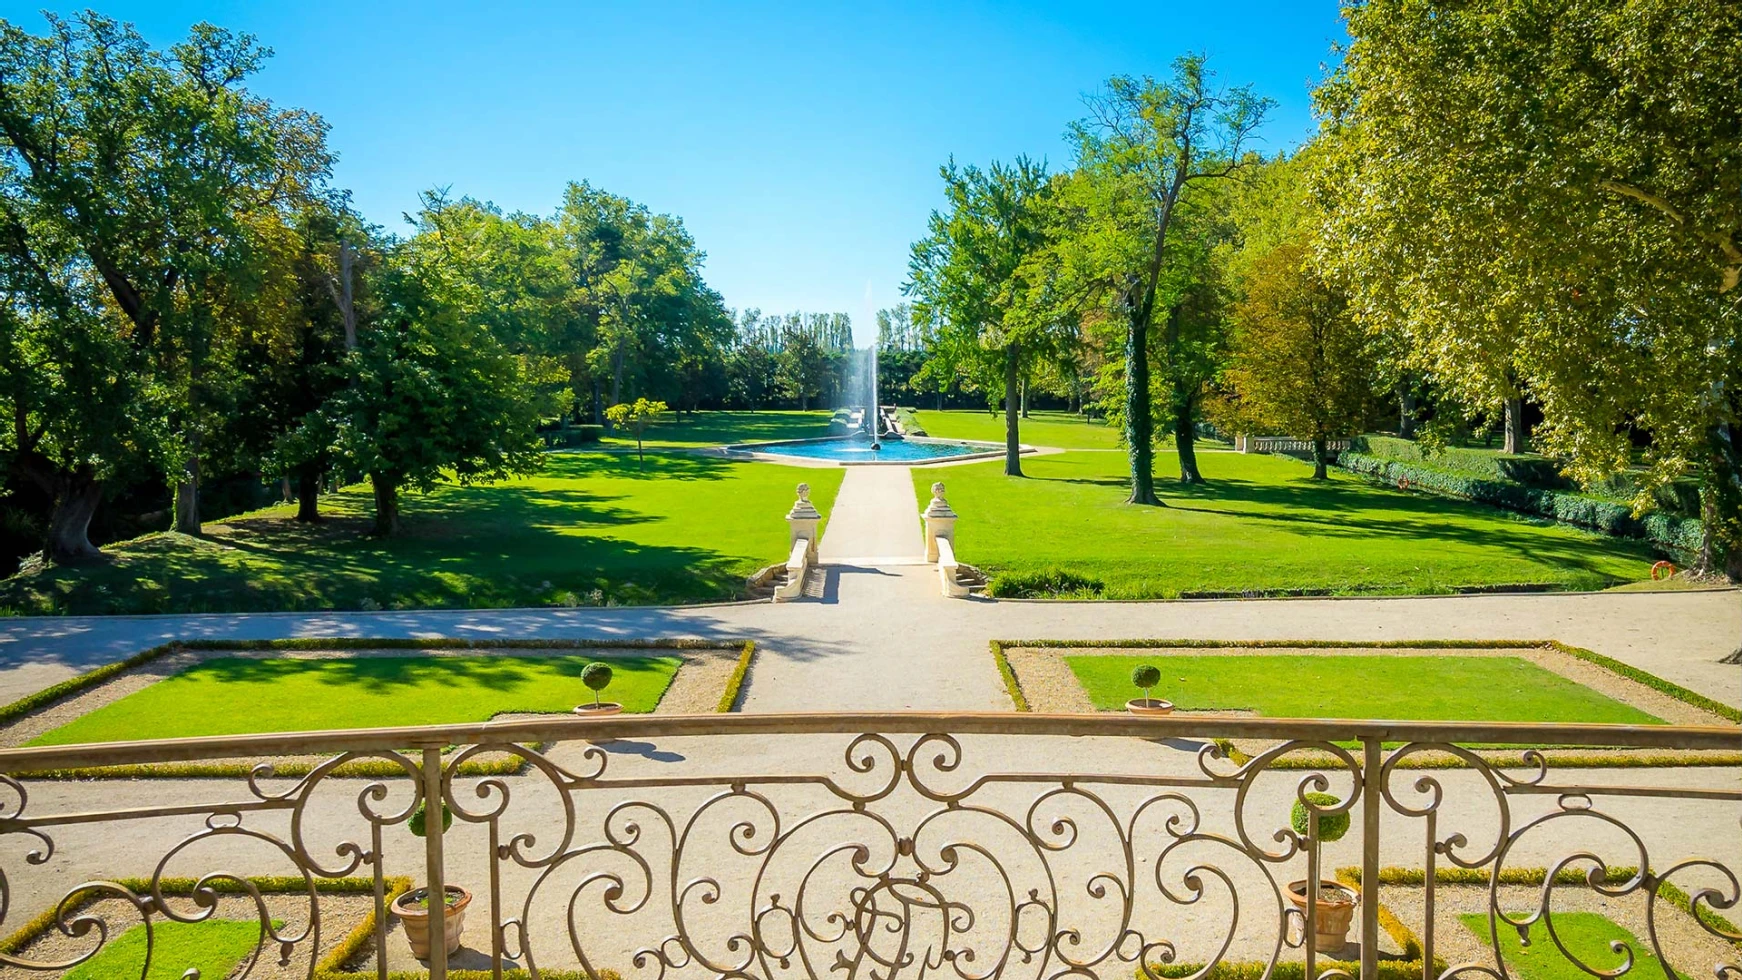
{"x":1609,"y":517}
{"x":1332,"y":826}
{"x":1145,"y":677}
{"x":578,"y":435}
{"x":415,"y":823}
{"x":597,"y":677}
{"x":1052,"y":583}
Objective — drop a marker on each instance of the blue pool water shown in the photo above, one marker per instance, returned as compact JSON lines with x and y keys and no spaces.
{"x":858,"y":450}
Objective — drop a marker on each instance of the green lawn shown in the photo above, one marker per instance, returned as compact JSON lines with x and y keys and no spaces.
{"x":1260,"y":523}
{"x":724,"y":428}
{"x":1062,"y":430}
{"x":682,"y":528}
{"x":1587,"y":935}
{"x":214,"y":947}
{"x":245,"y":695}
{"x":1438,"y":687}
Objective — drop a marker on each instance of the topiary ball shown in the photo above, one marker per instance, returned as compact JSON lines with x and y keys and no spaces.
{"x":416,"y":821}
{"x":1332,"y":826}
{"x":1145,"y":676}
{"x":596,"y":676}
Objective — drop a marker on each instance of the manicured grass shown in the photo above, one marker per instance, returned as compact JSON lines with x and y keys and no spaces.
{"x":1587,"y":935}
{"x":214,"y":947}
{"x":724,"y":428}
{"x":1260,"y":523}
{"x":245,"y":695}
{"x":1436,"y":687}
{"x":680,"y":528}
{"x":1062,"y":430}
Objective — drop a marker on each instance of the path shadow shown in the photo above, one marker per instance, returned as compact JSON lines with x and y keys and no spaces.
{"x":832,"y":579}
{"x":647,"y":750}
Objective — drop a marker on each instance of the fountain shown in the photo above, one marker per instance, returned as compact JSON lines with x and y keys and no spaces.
{"x":876,"y":410}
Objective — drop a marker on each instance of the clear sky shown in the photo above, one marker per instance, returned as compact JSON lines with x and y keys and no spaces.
{"x":799,"y":142}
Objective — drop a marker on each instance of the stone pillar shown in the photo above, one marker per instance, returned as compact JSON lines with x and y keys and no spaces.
{"x":940,"y":522}
{"x":802,"y":519}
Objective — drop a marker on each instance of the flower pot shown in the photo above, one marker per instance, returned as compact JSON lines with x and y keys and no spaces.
{"x":1149,"y":706}
{"x":415,"y":918}
{"x":598,"y":709}
{"x":1332,"y":913}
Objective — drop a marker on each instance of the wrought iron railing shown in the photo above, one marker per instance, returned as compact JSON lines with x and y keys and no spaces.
{"x":972,"y":845}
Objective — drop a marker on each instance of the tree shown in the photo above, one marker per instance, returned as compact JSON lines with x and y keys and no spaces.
{"x":964,"y":275}
{"x":804,"y":366}
{"x":1302,"y":364}
{"x":1143,"y":144}
{"x":636,"y":418}
{"x":131,"y":181}
{"x":431,"y":393}
{"x":1555,"y":189}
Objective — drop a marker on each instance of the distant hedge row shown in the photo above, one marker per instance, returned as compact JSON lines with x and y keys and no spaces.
{"x":1609,"y":517}
{"x":574,"y":435}
{"x":1682,"y":498}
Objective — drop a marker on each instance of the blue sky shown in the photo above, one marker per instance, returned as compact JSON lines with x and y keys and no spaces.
{"x":799,"y":142}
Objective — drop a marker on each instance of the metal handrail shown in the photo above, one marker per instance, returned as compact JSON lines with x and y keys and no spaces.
{"x":565,"y":728}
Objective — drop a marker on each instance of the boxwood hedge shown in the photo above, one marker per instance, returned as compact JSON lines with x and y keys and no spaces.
{"x":1607,"y":516}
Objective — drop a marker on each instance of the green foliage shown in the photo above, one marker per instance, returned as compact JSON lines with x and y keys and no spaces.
{"x":1665,"y":530}
{"x":1261,"y":525}
{"x":1332,"y":826}
{"x":1546,"y":198}
{"x":636,"y":417}
{"x":1048,"y":583}
{"x":596,"y":675}
{"x":1435,"y":687}
{"x":1302,"y":365}
{"x":1135,"y":246}
{"x":1145,"y":676}
{"x":418,"y":822}
{"x":239,"y":696}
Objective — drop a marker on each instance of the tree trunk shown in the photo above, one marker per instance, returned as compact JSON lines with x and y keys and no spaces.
{"x":386,"y":504}
{"x":1025,"y":398}
{"x":1321,"y":454}
{"x":598,"y":405}
{"x":1012,"y":411}
{"x":75,"y":503}
{"x":187,"y":495}
{"x":1514,"y":426}
{"x":1185,"y":435}
{"x":308,"y":492}
{"x":1406,"y":409}
{"x":1139,"y":427}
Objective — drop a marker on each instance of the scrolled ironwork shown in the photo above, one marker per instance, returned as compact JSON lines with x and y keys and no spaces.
{"x":913,"y":853}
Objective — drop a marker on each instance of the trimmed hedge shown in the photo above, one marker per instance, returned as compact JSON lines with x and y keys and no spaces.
{"x":1665,"y":530}
{"x":576,"y":435}
{"x":1051,"y":583}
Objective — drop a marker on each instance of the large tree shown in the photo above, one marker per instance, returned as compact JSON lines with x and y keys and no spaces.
{"x":1302,"y":365}
{"x":965,"y":275}
{"x":131,"y":183}
{"x":1553,"y":190}
{"x":1142,"y":147}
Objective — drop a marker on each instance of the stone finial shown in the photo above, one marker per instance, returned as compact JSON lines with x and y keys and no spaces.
{"x":939,"y":507}
{"x":802,"y":508}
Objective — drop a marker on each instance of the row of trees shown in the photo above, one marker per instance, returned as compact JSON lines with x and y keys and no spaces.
{"x":1553,"y":220}
{"x":185,"y":300}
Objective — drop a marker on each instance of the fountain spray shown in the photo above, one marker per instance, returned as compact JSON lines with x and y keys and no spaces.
{"x":876,"y":413}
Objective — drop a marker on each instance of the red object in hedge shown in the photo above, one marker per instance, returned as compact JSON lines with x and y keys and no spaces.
{"x":1662,"y":569}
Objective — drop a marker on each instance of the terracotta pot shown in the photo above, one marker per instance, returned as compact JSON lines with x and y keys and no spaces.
{"x":416,"y":920}
{"x":1331,"y":918}
{"x":599,"y":709}
{"x":1149,"y":706}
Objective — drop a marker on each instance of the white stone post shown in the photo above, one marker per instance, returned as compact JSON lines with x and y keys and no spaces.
{"x":940,"y":522}
{"x":802,"y":519}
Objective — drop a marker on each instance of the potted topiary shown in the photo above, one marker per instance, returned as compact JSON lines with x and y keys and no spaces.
{"x":1145,"y":677}
{"x":1334,"y":904}
{"x":597,"y":677}
{"x":412,"y":907}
